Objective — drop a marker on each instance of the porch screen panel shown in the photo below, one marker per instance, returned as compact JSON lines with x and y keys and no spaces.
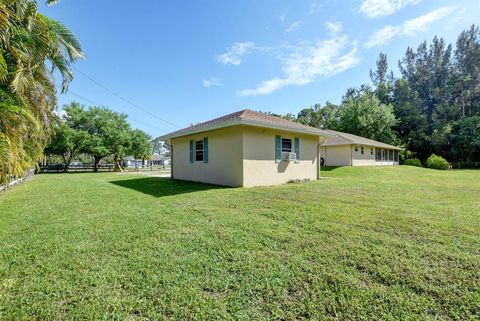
{"x":378,"y":155}
{"x":390,"y":155}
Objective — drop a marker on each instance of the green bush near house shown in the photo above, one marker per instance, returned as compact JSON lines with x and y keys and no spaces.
{"x":413,"y":162}
{"x":437,"y":162}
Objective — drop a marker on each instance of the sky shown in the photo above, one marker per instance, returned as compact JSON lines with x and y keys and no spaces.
{"x":169,"y":64}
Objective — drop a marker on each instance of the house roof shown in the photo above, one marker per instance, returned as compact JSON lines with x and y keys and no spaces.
{"x":349,"y":139}
{"x":248,"y":117}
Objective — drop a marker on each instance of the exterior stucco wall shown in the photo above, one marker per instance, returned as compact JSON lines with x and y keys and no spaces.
{"x":337,"y":155}
{"x":224,"y":165}
{"x":365,"y":159}
{"x":259,"y":166}
{"x":345,"y":155}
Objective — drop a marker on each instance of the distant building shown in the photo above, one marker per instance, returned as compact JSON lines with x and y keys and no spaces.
{"x":130,"y":161}
{"x":155,"y":160}
{"x":159,"y":160}
{"x":351,"y":150}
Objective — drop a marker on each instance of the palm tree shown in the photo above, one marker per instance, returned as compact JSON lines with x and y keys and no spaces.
{"x":32,"y":47}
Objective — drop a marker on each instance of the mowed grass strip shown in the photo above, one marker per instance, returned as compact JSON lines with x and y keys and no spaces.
{"x":389,"y":243}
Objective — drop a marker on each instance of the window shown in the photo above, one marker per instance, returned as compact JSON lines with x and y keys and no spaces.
{"x":286,"y":145}
{"x":199,"y":151}
{"x":361,"y":150}
{"x":371,"y":151}
{"x":356,"y":148}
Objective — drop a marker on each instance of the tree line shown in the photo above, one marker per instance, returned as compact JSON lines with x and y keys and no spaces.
{"x":32,"y":47}
{"x":98,"y":132}
{"x":433,"y":106}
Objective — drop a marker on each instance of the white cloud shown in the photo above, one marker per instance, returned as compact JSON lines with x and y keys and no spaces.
{"x":334,"y":27}
{"x":235,"y":53}
{"x":211,"y":82}
{"x":314,"y":7}
{"x":420,"y":23}
{"x":281,"y":17}
{"x":380,"y":8}
{"x":294,"y":26}
{"x":382,"y":36}
{"x":310,"y":61}
{"x":407,"y":28}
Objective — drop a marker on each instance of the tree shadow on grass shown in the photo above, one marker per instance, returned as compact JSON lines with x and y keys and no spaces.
{"x":160,"y":186}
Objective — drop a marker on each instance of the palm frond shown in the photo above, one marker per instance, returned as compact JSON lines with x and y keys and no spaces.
{"x":66,"y":37}
{"x":3,"y":68}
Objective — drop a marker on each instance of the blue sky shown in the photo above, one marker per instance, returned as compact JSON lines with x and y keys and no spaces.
{"x":190,"y":61}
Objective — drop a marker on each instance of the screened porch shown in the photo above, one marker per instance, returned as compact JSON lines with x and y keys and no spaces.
{"x":386,"y":156}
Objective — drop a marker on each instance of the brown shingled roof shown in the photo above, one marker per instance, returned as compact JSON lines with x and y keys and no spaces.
{"x":248,"y":117}
{"x":349,"y":139}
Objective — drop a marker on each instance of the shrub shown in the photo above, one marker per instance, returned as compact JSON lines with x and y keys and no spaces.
{"x":413,"y":162}
{"x":437,"y":162}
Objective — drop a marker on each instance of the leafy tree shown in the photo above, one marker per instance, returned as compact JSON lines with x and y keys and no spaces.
{"x":466,"y":138}
{"x":446,"y":86}
{"x":140,"y":145}
{"x":363,"y":114}
{"x":383,"y":80}
{"x":287,"y":116}
{"x":411,"y":126}
{"x":32,"y":46}
{"x":159,"y":147}
{"x":467,"y":71}
{"x":66,"y":142}
{"x":320,"y":117}
{"x":428,"y":71}
{"x":156,"y":146}
{"x":108,"y":131}
{"x":166,"y":146}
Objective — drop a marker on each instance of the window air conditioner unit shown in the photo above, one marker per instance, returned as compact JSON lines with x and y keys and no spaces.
{"x":289,"y":156}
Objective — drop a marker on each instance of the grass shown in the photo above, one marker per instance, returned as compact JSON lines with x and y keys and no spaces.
{"x":391,"y":243}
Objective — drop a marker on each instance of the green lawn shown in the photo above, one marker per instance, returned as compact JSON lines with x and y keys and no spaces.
{"x":392,"y":243}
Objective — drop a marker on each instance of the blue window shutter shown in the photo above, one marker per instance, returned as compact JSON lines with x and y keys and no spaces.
{"x":297,"y":149}
{"x":191,"y":151}
{"x":278,"y":149}
{"x":205,"y":149}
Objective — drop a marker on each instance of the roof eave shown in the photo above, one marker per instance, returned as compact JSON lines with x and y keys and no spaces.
{"x":364,"y":144}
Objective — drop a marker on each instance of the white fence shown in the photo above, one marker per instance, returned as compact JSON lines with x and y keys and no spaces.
{"x":14,"y":182}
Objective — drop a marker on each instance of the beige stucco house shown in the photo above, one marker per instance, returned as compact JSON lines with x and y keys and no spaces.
{"x":246,"y":148}
{"x":350,"y":150}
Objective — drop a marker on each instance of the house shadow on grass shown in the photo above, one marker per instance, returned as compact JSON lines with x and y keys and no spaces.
{"x":329,"y":168}
{"x":160,"y":186}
